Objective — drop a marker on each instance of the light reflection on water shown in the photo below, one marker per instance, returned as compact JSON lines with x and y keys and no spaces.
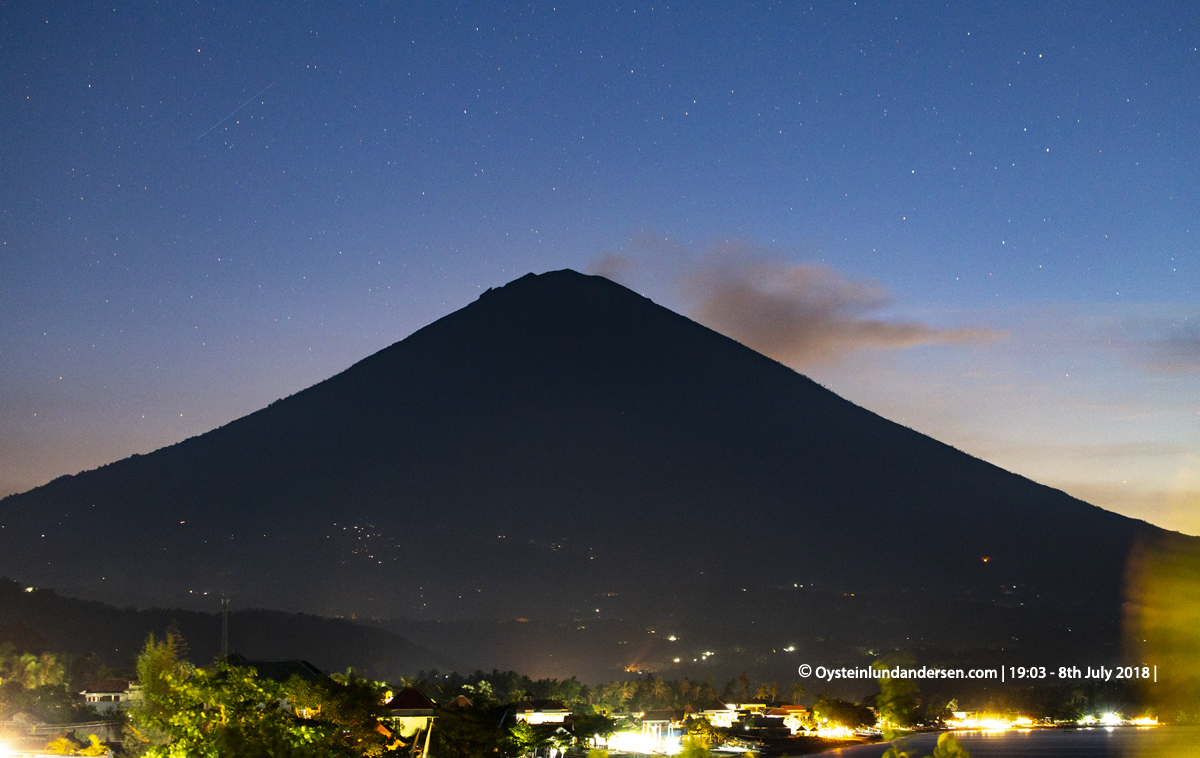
{"x":1117,"y":742}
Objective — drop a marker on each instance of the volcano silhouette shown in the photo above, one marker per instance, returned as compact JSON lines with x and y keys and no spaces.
{"x":565,"y":451}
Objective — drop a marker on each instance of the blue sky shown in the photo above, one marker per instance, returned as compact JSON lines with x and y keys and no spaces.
{"x":978,"y":218}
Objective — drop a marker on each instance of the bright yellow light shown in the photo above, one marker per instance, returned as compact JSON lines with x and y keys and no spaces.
{"x":1110,"y":719}
{"x":635,"y":742}
{"x":835,"y":732}
{"x":988,"y":723}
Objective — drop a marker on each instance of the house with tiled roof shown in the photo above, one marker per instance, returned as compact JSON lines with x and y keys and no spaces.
{"x":720,"y":714}
{"x":411,"y":711}
{"x":795,"y":717}
{"x":109,"y":695}
{"x":544,"y":711}
{"x":460,"y":701}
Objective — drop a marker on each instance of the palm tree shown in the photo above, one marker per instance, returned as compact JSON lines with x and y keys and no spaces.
{"x":624,"y":691}
{"x":49,"y":669}
{"x":685,"y":687}
{"x":660,"y":689}
{"x":797,"y":693}
{"x":25,"y":670}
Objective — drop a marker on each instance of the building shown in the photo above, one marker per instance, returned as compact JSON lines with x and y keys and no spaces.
{"x":109,"y":695}
{"x":759,"y":725}
{"x":541,"y":711}
{"x":665,"y":723}
{"x":720,"y":714}
{"x":795,"y":717}
{"x":460,"y":701}
{"x":411,"y":711}
{"x":278,"y":670}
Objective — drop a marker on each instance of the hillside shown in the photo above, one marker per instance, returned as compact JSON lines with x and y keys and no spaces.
{"x":43,"y":621}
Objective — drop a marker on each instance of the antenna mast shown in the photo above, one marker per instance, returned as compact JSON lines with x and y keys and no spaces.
{"x":224,"y":627}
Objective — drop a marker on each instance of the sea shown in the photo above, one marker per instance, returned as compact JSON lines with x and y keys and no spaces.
{"x":1098,"y":742}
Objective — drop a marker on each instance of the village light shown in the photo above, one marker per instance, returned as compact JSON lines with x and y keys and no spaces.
{"x":835,"y":732}
{"x":634,"y":742}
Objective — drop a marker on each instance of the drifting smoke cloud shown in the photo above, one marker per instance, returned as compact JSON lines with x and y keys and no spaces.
{"x":806,"y":313}
{"x":618,"y":268}
{"x":798,"y":314}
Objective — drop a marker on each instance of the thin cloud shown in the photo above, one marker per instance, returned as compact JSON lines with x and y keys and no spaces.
{"x":803,"y":313}
{"x":1174,"y":349}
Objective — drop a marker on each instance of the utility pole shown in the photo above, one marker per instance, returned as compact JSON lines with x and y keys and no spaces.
{"x":224,"y":627}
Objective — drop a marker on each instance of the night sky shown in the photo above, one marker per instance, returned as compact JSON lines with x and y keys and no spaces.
{"x":977,"y":219}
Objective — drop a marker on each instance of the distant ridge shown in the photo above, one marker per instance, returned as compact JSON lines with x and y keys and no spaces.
{"x":48,"y":622}
{"x":566,"y":451}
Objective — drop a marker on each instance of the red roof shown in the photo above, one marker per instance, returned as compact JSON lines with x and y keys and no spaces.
{"x":110,"y":686}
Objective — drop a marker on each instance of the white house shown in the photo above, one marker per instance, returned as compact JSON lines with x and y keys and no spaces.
{"x":108,"y":695}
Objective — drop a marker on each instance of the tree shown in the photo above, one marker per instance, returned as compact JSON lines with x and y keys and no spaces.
{"x":267,"y":740}
{"x":352,"y":705}
{"x":49,"y":669}
{"x":158,"y":666}
{"x":834,"y":712}
{"x":480,"y":731}
{"x":897,"y":701}
{"x":526,"y":737}
{"x":32,"y":670}
{"x":223,"y":710}
{"x":744,"y":682}
{"x":685,"y":688}
{"x":700,"y":727}
{"x":589,"y":727}
{"x":768,"y":693}
{"x":68,"y":746}
{"x":798,"y":693}
{"x":660,"y":689}
{"x":729,"y":691}
{"x":50,"y":701}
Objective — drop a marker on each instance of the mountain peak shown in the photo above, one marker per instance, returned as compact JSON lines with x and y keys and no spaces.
{"x":558,"y":449}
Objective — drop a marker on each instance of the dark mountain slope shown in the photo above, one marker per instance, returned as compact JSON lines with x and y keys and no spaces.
{"x":560,"y":440}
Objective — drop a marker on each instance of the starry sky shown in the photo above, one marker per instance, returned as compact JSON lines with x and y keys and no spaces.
{"x":977,"y":219}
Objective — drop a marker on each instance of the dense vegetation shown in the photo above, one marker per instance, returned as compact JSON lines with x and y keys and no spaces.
{"x":222,"y":709}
